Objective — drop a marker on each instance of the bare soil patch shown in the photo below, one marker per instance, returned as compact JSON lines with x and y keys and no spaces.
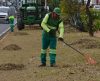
{"x":12,"y":47}
{"x":31,"y":27}
{"x":87,"y":43}
{"x":81,"y":68}
{"x":10,"y":66}
{"x":20,"y":33}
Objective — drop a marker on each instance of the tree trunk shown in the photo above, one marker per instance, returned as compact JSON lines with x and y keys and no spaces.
{"x":82,"y":2}
{"x":90,"y":19}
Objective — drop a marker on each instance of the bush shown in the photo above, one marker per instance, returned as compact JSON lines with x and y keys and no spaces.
{"x":95,"y":16}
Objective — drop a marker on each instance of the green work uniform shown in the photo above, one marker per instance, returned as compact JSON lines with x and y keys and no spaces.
{"x":50,"y":40}
{"x":11,"y":20}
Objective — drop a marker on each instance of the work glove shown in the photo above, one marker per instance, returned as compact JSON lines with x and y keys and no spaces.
{"x":52,"y":32}
{"x":60,"y":39}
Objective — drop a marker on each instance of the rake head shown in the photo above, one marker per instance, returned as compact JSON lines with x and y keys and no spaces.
{"x":89,"y":59}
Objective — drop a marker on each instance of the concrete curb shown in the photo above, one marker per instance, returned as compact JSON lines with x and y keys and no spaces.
{"x":3,"y":33}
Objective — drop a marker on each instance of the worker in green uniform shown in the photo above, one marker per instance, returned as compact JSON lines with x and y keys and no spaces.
{"x":50,"y":24}
{"x":11,"y":20}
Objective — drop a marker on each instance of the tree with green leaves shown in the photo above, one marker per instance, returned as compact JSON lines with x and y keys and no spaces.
{"x":71,"y":12}
{"x":90,"y":19}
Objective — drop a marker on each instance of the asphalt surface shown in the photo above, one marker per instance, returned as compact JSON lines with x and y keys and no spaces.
{"x":5,"y":27}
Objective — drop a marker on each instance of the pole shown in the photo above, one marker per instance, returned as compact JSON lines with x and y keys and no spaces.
{"x":45,"y":4}
{"x":25,"y":1}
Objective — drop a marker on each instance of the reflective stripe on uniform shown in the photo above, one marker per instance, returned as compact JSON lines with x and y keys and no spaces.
{"x":51,"y":27}
{"x":53,"y":51}
{"x":43,"y":51}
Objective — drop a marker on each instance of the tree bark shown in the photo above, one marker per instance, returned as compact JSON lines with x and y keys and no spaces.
{"x":82,"y":2}
{"x":90,"y":19}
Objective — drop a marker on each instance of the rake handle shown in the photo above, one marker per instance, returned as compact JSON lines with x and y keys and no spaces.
{"x":73,"y":48}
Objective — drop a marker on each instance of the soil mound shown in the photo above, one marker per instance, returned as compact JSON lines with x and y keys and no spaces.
{"x":12,"y":47}
{"x":10,"y":66}
{"x":87,"y":43}
{"x":20,"y":33}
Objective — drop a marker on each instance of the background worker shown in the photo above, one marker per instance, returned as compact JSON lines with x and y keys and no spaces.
{"x":11,"y":21}
{"x":50,"y":24}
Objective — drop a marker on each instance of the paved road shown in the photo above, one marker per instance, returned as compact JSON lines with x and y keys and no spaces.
{"x":4,"y":28}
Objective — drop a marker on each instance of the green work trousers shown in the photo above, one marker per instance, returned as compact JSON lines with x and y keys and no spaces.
{"x":12,"y":27}
{"x":48,"y":41}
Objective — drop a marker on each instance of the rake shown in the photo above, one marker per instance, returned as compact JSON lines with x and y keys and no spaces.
{"x":87,"y":57}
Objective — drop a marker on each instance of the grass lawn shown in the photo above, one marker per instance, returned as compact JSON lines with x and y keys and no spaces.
{"x":20,"y":57}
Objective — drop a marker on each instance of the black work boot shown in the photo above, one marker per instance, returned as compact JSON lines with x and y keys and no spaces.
{"x":43,"y":60}
{"x":53,"y":65}
{"x":42,"y":65}
{"x":52,"y":60}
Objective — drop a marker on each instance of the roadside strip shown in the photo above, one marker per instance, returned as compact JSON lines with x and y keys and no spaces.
{"x":2,"y":35}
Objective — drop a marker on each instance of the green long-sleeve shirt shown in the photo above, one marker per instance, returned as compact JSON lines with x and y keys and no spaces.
{"x":11,"y":19}
{"x":45,"y":26}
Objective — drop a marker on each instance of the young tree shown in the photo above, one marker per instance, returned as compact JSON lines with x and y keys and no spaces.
{"x":90,"y":18}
